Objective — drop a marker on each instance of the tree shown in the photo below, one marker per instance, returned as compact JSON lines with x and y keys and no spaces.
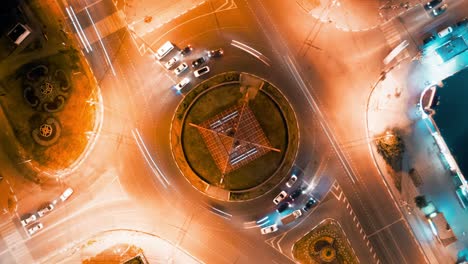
{"x":391,"y":146}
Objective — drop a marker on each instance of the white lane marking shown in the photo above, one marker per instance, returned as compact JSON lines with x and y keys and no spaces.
{"x":331,"y":137}
{"x":102,"y":44}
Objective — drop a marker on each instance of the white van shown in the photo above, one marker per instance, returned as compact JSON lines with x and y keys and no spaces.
{"x":445,"y":32}
{"x":164,"y":50}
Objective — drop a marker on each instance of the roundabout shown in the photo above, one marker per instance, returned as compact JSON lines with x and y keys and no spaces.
{"x":234,"y":136}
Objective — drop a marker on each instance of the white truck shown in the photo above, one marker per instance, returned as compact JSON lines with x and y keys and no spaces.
{"x":291,"y":217}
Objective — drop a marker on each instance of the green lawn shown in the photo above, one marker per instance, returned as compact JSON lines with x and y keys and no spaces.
{"x":270,"y":119}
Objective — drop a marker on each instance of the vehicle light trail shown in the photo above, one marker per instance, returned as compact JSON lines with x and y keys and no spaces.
{"x":251,"y":51}
{"x":150,"y":161}
{"x":100,"y":41}
{"x":76,"y":29}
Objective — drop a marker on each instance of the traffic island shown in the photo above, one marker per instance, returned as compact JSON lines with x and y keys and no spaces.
{"x":50,"y":100}
{"x":326,"y":243}
{"x":234,"y":136}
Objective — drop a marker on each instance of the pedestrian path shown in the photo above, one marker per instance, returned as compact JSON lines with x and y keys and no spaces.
{"x":15,"y":243}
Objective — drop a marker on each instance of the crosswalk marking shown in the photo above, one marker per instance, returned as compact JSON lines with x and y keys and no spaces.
{"x":393,"y":38}
{"x":15,"y":243}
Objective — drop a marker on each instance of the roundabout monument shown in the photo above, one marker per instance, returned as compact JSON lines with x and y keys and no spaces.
{"x":234,"y":136}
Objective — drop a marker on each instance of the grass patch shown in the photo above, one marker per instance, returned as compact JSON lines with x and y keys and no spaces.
{"x":198,"y":156}
{"x":76,"y":117}
{"x":324,"y":244}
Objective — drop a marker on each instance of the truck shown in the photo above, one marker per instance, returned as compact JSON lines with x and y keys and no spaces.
{"x":291,"y":217}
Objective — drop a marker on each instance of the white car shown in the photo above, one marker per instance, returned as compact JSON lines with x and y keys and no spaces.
{"x":280,"y":197}
{"x":171,"y":62}
{"x":164,"y":50}
{"x":66,"y":194}
{"x":291,"y":181}
{"x":45,"y":210}
{"x":35,"y":228}
{"x":28,"y":220}
{"x":181,"y":68}
{"x":201,"y":71}
{"x":269,"y":229}
{"x":182,"y":84}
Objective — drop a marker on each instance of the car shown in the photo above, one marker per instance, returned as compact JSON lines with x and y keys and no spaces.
{"x":45,"y":210}
{"x":440,"y":10}
{"x":429,"y":39}
{"x":291,"y":181}
{"x":269,"y":229}
{"x":312,"y":202}
{"x":181,"y":68}
{"x":280,"y":197}
{"x":282,"y":207}
{"x":66,"y":194}
{"x":462,"y":22}
{"x":35,"y":228}
{"x":164,"y":50}
{"x":171,"y":62}
{"x":201,"y":71}
{"x":216,"y":53}
{"x":182,"y":84}
{"x":198,"y":62}
{"x":444,"y":32}
{"x":185,"y":51}
{"x":430,"y":5}
{"x":294,"y":195}
{"x":28,"y":220}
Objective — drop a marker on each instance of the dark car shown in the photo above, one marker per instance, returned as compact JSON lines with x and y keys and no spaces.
{"x":282,"y":207}
{"x":440,"y":10}
{"x":462,"y":22}
{"x":297,"y":192}
{"x":186,"y":50}
{"x":216,"y":53}
{"x":432,"y":4}
{"x":429,"y":39}
{"x":198,"y":62}
{"x":310,"y":203}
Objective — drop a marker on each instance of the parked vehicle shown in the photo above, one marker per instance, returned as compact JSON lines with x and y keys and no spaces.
{"x":35,"y":228}
{"x":282,"y":207}
{"x":45,"y":210}
{"x":171,"y":62}
{"x":28,"y":220}
{"x":185,"y":51}
{"x":439,"y":10}
{"x":198,"y":62}
{"x":181,"y":68}
{"x":430,"y":5}
{"x":164,"y":50}
{"x":182,"y":84}
{"x":312,"y":202}
{"x":66,"y":194}
{"x":201,"y":71}
{"x":444,"y":32}
{"x":429,"y":39}
{"x":280,"y":197}
{"x":291,"y":181}
{"x":301,"y":190}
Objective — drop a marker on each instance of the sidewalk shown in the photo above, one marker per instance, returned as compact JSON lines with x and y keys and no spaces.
{"x":392,"y":104}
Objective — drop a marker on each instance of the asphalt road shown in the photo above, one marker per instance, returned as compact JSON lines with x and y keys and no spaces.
{"x":326,"y":74}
